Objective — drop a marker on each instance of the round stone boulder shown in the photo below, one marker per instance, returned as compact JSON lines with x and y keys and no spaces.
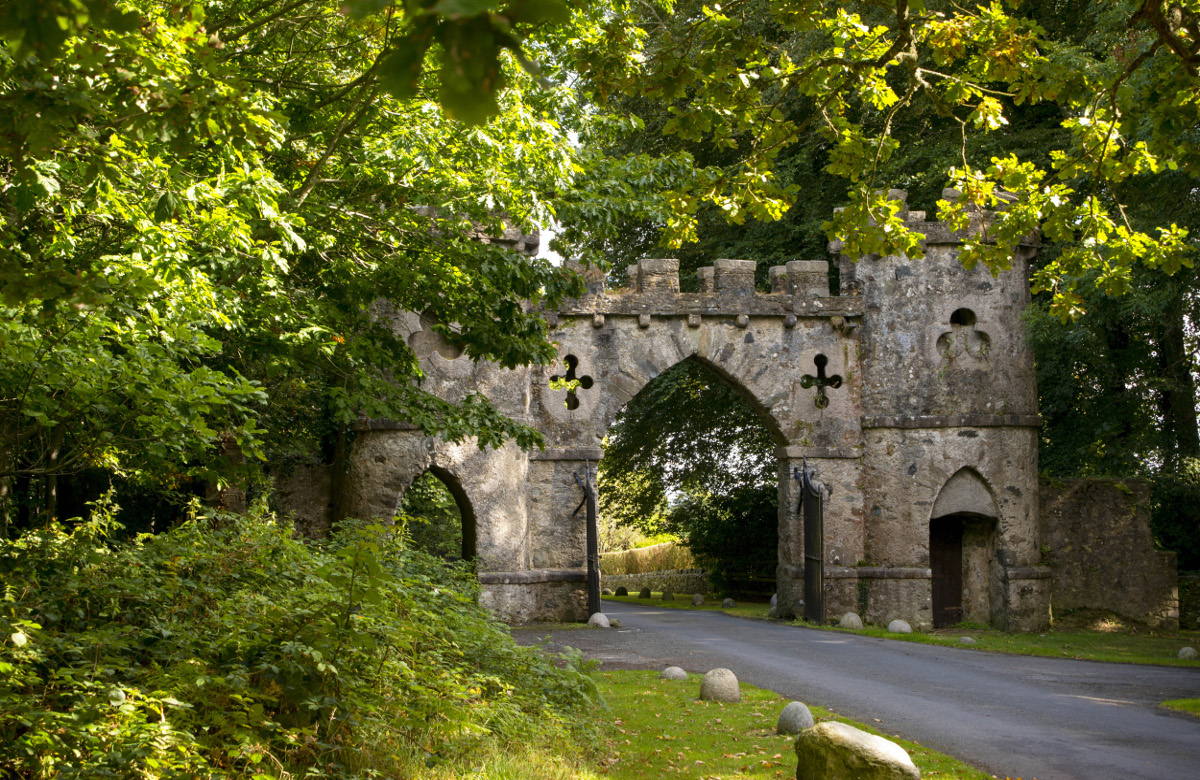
{"x":1187,"y":654}
{"x":622,"y":591}
{"x":598,"y":620}
{"x":668,"y":596}
{"x":614,"y":623}
{"x":966,"y":640}
{"x":833,"y":749}
{"x":697,"y":600}
{"x":794,"y":719}
{"x":606,"y":592}
{"x":899,"y":626}
{"x":850,"y":620}
{"x":720,"y":685}
{"x":673,"y":673}
{"x":727,"y":603}
{"x":644,"y":593}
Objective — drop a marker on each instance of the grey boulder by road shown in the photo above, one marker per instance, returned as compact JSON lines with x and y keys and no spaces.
{"x":1013,"y":716}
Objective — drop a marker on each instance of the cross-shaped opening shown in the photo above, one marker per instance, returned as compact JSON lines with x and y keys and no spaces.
{"x":571,"y":382}
{"x":821,"y":381}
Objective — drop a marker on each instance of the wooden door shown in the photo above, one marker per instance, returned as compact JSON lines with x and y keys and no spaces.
{"x":945,"y":559}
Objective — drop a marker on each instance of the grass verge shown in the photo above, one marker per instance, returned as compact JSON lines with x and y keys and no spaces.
{"x":682,"y":601}
{"x":1191,"y":706}
{"x":661,"y":730}
{"x":654,"y":728}
{"x":1091,"y":637}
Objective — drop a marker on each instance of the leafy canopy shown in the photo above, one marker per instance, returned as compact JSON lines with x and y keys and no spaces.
{"x":728,"y":79}
{"x":203,"y":204}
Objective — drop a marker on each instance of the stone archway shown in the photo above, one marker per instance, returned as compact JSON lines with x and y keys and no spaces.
{"x":708,"y":444}
{"x":866,"y":386}
{"x":456,"y":541}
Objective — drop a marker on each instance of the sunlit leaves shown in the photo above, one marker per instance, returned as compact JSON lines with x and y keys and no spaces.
{"x":1129,"y":110}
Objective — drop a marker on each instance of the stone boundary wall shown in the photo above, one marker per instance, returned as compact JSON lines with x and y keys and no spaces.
{"x":678,"y":581}
{"x":1098,"y":545}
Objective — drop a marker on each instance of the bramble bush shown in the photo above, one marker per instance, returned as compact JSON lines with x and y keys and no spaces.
{"x":225,"y":648}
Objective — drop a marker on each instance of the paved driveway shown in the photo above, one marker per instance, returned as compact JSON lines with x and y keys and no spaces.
{"x":1015,"y":716}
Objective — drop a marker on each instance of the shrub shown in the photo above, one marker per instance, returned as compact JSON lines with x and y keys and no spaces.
{"x":225,"y":648}
{"x":1175,"y":517}
{"x":735,"y":537}
{"x":669,"y":556}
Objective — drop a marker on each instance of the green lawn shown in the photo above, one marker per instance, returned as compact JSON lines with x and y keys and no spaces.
{"x":1118,"y":644}
{"x":684,"y":601}
{"x":1184,"y":705}
{"x":1091,"y":636}
{"x":659,"y":729}
{"x":648,"y":728}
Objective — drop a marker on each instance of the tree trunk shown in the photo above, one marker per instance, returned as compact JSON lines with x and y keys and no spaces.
{"x":50,"y":507}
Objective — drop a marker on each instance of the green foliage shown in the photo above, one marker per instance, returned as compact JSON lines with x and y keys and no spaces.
{"x":734,"y":537}
{"x":753,"y":78}
{"x":225,"y":648}
{"x":432,"y":518}
{"x":688,"y":431}
{"x":1175,"y":517}
{"x":203,"y":204}
{"x":1115,"y":387}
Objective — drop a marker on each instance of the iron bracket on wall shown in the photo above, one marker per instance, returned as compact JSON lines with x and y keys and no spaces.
{"x":812,"y":493}
{"x":593,"y":537}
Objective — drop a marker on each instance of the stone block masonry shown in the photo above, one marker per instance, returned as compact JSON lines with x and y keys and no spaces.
{"x":1098,"y":546}
{"x":912,"y":393}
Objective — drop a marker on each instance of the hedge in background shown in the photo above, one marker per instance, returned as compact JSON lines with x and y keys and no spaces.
{"x":669,"y":556}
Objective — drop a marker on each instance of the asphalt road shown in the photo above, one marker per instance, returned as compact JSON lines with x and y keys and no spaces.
{"x":1014,"y":716}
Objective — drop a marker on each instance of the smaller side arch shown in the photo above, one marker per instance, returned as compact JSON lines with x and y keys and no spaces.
{"x":469,"y":531}
{"x":462,"y":502}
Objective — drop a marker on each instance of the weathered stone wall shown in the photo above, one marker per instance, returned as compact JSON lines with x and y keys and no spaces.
{"x":1100,"y":550}
{"x":947,"y":390}
{"x":304,"y":495}
{"x":678,"y":581}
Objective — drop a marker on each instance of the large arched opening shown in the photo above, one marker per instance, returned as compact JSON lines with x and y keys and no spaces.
{"x":692,"y":457}
{"x":965,"y":573}
{"x":439,"y":517}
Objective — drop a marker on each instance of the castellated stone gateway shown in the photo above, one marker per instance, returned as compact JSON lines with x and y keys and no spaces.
{"x":912,"y":393}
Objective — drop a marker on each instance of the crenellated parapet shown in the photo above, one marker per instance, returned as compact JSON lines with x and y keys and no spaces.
{"x":799,"y":289}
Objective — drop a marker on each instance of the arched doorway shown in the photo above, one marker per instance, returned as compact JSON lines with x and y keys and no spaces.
{"x":965,"y":575}
{"x":439,"y":516}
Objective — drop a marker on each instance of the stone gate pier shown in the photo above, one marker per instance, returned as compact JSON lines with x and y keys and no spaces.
{"x":912,"y":392}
